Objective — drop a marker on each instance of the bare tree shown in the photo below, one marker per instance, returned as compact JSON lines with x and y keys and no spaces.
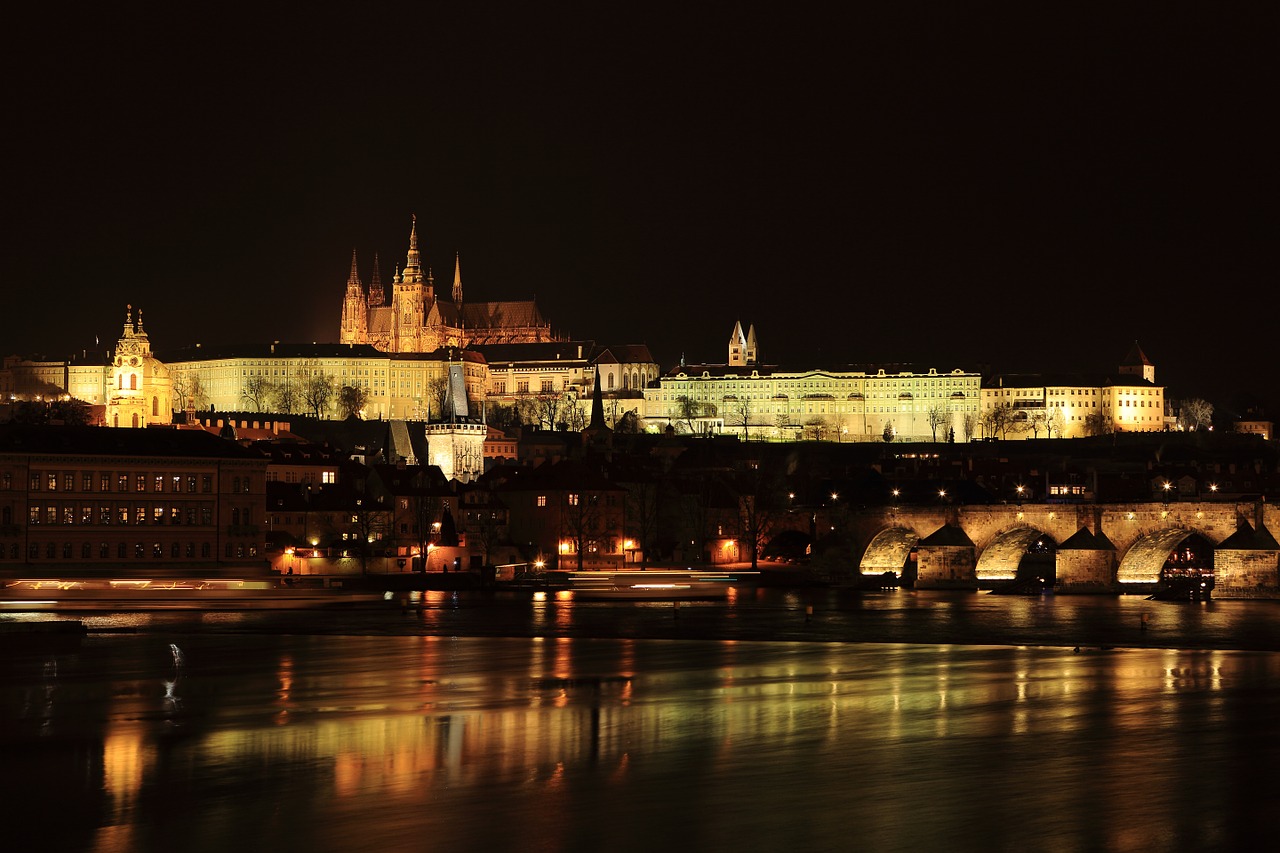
{"x":180,"y":386}
{"x":188,"y":389}
{"x":1037,"y":421}
{"x":317,"y":393}
{"x":738,"y":412}
{"x":575,"y":417}
{"x":585,"y":524}
{"x":1195,"y":414}
{"x":351,"y":400}
{"x":758,"y":508}
{"x":937,"y":417}
{"x":549,"y":408}
{"x":969,"y":423}
{"x":1056,"y":423}
{"x":641,"y":517}
{"x":437,"y":397}
{"x":687,"y":410}
{"x":370,"y":523}
{"x":257,"y":392}
{"x":285,"y":395}
{"x":1095,"y":423}
{"x":425,"y":509}
{"x":816,"y":428}
{"x":998,"y":420}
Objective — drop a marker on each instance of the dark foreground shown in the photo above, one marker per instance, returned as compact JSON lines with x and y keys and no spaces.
{"x":885,"y":722}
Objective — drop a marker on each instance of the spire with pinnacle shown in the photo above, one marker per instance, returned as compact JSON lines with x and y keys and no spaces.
{"x":597,"y":405}
{"x":413,"y":262}
{"x":354,"y":288}
{"x":457,"y":278}
{"x":377,"y":296}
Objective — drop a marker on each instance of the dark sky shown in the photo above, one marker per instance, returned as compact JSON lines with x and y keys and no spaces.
{"x":1020,"y":186}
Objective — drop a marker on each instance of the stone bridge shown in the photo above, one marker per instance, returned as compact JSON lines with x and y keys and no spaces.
{"x":1096,"y":547}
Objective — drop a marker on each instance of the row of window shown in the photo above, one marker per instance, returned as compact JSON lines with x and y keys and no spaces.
{"x":123,"y":514}
{"x":65,"y":481}
{"x":573,"y":499}
{"x":177,"y":550}
{"x":304,"y":477}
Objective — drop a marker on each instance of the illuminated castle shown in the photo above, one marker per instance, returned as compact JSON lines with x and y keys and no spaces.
{"x":418,"y":321}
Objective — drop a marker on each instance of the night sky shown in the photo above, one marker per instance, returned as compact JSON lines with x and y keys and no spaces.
{"x":1013,"y":187}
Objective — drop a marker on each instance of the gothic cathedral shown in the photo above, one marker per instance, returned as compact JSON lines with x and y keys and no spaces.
{"x":418,"y":321}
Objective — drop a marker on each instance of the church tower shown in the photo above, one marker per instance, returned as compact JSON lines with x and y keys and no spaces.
{"x":408,"y":300}
{"x":1137,"y":364}
{"x":737,"y":346}
{"x":457,"y":279}
{"x":355,"y":310}
{"x":750,"y":352}
{"x":141,"y":389}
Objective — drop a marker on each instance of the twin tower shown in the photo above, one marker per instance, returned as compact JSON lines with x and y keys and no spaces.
{"x":742,"y":348}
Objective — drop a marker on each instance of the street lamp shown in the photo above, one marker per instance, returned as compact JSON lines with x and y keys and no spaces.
{"x":1167,"y":486}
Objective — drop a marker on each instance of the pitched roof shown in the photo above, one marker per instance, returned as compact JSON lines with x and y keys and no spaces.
{"x":1135,"y":357}
{"x":108,"y":441}
{"x":499,"y":315}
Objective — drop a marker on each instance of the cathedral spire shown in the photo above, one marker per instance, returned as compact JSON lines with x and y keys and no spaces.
{"x":457,"y":278}
{"x":377,"y":296}
{"x":354,"y":287}
{"x":413,"y":262}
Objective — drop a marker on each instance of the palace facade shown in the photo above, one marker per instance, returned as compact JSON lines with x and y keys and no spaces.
{"x":771,"y":401}
{"x":902,"y":404}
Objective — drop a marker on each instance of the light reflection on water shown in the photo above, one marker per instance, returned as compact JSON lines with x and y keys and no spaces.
{"x":333,"y":743}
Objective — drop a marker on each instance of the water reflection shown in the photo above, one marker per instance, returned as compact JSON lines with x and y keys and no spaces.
{"x":361,"y":742}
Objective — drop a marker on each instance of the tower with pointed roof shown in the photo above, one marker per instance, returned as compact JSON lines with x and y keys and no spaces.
{"x":737,"y":346}
{"x":355,"y":309}
{"x":377,"y":296}
{"x":750,"y":350}
{"x":408,"y":300}
{"x":457,"y":279}
{"x":1136,"y":364}
{"x":141,"y":391}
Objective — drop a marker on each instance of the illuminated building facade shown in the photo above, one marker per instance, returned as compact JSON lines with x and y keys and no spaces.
{"x":130,"y":502}
{"x":768,"y":401}
{"x":417,"y":321}
{"x":1073,"y":406}
{"x":276,"y":377}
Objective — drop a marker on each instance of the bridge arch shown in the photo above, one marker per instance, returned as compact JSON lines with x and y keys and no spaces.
{"x":889,"y":551}
{"x":1003,"y":555}
{"x":1145,"y":559}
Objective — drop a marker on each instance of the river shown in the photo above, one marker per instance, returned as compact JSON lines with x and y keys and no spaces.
{"x":776,"y":720}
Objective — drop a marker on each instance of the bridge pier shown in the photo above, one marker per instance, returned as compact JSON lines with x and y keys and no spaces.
{"x":1086,"y":562}
{"x":1247,"y":565}
{"x":946,"y":559}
